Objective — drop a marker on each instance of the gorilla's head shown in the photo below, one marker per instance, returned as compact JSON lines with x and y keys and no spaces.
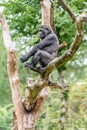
{"x":44,"y":31}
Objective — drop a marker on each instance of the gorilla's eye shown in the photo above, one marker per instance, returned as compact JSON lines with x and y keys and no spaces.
{"x":46,"y":31}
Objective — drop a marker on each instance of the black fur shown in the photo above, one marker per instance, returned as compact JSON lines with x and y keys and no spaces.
{"x":45,"y":51}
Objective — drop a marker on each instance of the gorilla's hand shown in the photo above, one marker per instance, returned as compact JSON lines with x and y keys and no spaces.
{"x":24,"y":58}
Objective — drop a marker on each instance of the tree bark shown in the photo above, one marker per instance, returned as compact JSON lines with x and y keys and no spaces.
{"x":45,"y":7}
{"x":12,"y":68}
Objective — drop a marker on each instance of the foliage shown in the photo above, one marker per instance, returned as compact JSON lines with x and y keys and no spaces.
{"x":22,"y":16}
{"x":5,"y":117}
{"x":77,"y":112}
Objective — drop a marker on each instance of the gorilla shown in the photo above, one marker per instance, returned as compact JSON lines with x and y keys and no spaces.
{"x":43,"y":52}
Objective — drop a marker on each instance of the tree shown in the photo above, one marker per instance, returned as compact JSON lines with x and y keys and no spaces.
{"x":27,"y":111}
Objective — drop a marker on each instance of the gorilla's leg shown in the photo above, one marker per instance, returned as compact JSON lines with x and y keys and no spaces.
{"x":42,"y":57}
{"x":35,"y":60}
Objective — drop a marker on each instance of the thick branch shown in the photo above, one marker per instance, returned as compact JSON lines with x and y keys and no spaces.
{"x":34,"y":88}
{"x":65,"y":7}
{"x":13,"y":72}
{"x":32,"y":91}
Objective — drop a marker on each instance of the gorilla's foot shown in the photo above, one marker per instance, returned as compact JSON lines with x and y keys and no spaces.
{"x":39,"y":69}
{"x":29,"y":65}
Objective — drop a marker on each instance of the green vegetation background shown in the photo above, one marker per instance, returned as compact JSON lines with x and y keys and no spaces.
{"x":24,"y":19}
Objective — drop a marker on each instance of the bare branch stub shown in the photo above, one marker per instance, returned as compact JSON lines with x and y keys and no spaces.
{"x":62,"y":45}
{"x":57,"y":85}
{"x":85,"y":18}
{"x":84,"y":15}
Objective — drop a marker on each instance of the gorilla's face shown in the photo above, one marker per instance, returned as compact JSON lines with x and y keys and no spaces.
{"x":44,"y":31}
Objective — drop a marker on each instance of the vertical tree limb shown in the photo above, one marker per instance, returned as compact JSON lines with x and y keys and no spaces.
{"x":45,"y":7}
{"x":12,"y":68}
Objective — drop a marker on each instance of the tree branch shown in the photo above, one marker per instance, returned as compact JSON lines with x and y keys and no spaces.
{"x":65,"y":7}
{"x":32,"y":91}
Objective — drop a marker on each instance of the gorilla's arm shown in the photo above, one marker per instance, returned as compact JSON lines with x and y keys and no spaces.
{"x":29,"y":54}
{"x":47,"y":41}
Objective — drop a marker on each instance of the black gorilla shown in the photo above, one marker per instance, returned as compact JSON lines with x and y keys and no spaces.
{"x":45,"y":51}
